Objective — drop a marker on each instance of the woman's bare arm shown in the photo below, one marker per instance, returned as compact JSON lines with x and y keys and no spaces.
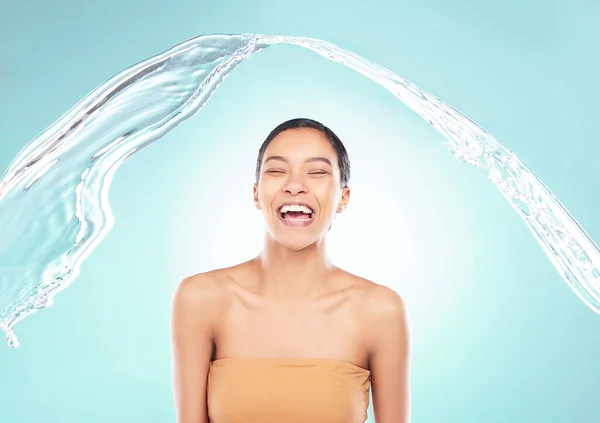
{"x":389,"y":356}
{"x":193,"y":315}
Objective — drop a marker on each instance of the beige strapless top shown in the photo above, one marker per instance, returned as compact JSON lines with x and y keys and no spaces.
{"x":282,"y":390}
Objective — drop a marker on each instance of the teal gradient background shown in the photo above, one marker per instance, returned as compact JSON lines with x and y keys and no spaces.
{"x":498,"y":336}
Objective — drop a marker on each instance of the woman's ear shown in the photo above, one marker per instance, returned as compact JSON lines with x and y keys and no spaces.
{"x":256,"y":201}
{"x":344,"y":199}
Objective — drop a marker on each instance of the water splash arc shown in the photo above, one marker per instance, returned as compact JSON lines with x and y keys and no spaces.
{"x":54,"y":207}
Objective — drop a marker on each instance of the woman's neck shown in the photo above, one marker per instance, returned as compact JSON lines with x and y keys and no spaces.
{"x":287,"y":275}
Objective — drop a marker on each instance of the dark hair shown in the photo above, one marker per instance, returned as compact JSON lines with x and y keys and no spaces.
{"x":336,"y":143}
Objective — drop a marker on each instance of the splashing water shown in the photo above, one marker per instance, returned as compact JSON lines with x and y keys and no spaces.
{"x":54,"y":206}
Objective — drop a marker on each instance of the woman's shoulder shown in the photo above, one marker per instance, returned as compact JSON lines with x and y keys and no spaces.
{"x":211,"y":285}
{"x":378,"y":301}
{"x":367,"y":287}
{"x":204,"y":291}
{"x":380,"y":310}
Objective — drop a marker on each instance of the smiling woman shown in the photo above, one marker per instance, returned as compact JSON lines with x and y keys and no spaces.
{"x":310,"y":163}
{"x":288,"y":336}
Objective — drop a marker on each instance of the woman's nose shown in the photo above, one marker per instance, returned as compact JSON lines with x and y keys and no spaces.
{"x":295,"y":186}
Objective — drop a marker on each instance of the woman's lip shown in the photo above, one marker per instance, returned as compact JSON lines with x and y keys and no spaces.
{"x":297,"y":223}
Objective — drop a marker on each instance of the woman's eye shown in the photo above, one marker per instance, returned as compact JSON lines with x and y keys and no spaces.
{"x":274,"y":171}
{"x":318,"y":172}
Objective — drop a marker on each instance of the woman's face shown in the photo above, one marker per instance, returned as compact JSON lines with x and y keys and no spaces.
{"x":299,"y":188}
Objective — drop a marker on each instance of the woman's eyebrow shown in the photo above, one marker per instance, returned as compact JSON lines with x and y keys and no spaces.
{"x":280,"y":158}
{"x":319,"y":159}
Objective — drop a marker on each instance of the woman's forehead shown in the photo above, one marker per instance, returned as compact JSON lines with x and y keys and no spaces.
{"x":300,"y":142}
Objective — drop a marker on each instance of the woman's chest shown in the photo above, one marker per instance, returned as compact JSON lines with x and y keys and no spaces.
{"x":314,"y":330}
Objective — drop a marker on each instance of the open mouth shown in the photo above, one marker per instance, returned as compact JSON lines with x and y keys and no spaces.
{"x":296,"y":214}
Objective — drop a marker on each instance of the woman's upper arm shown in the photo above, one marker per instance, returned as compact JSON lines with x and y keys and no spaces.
{"x":193,"y":314}
{"x":389,"y":357}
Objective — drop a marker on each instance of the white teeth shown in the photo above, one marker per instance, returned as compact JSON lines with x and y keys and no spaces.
{"x":295,"y":208}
